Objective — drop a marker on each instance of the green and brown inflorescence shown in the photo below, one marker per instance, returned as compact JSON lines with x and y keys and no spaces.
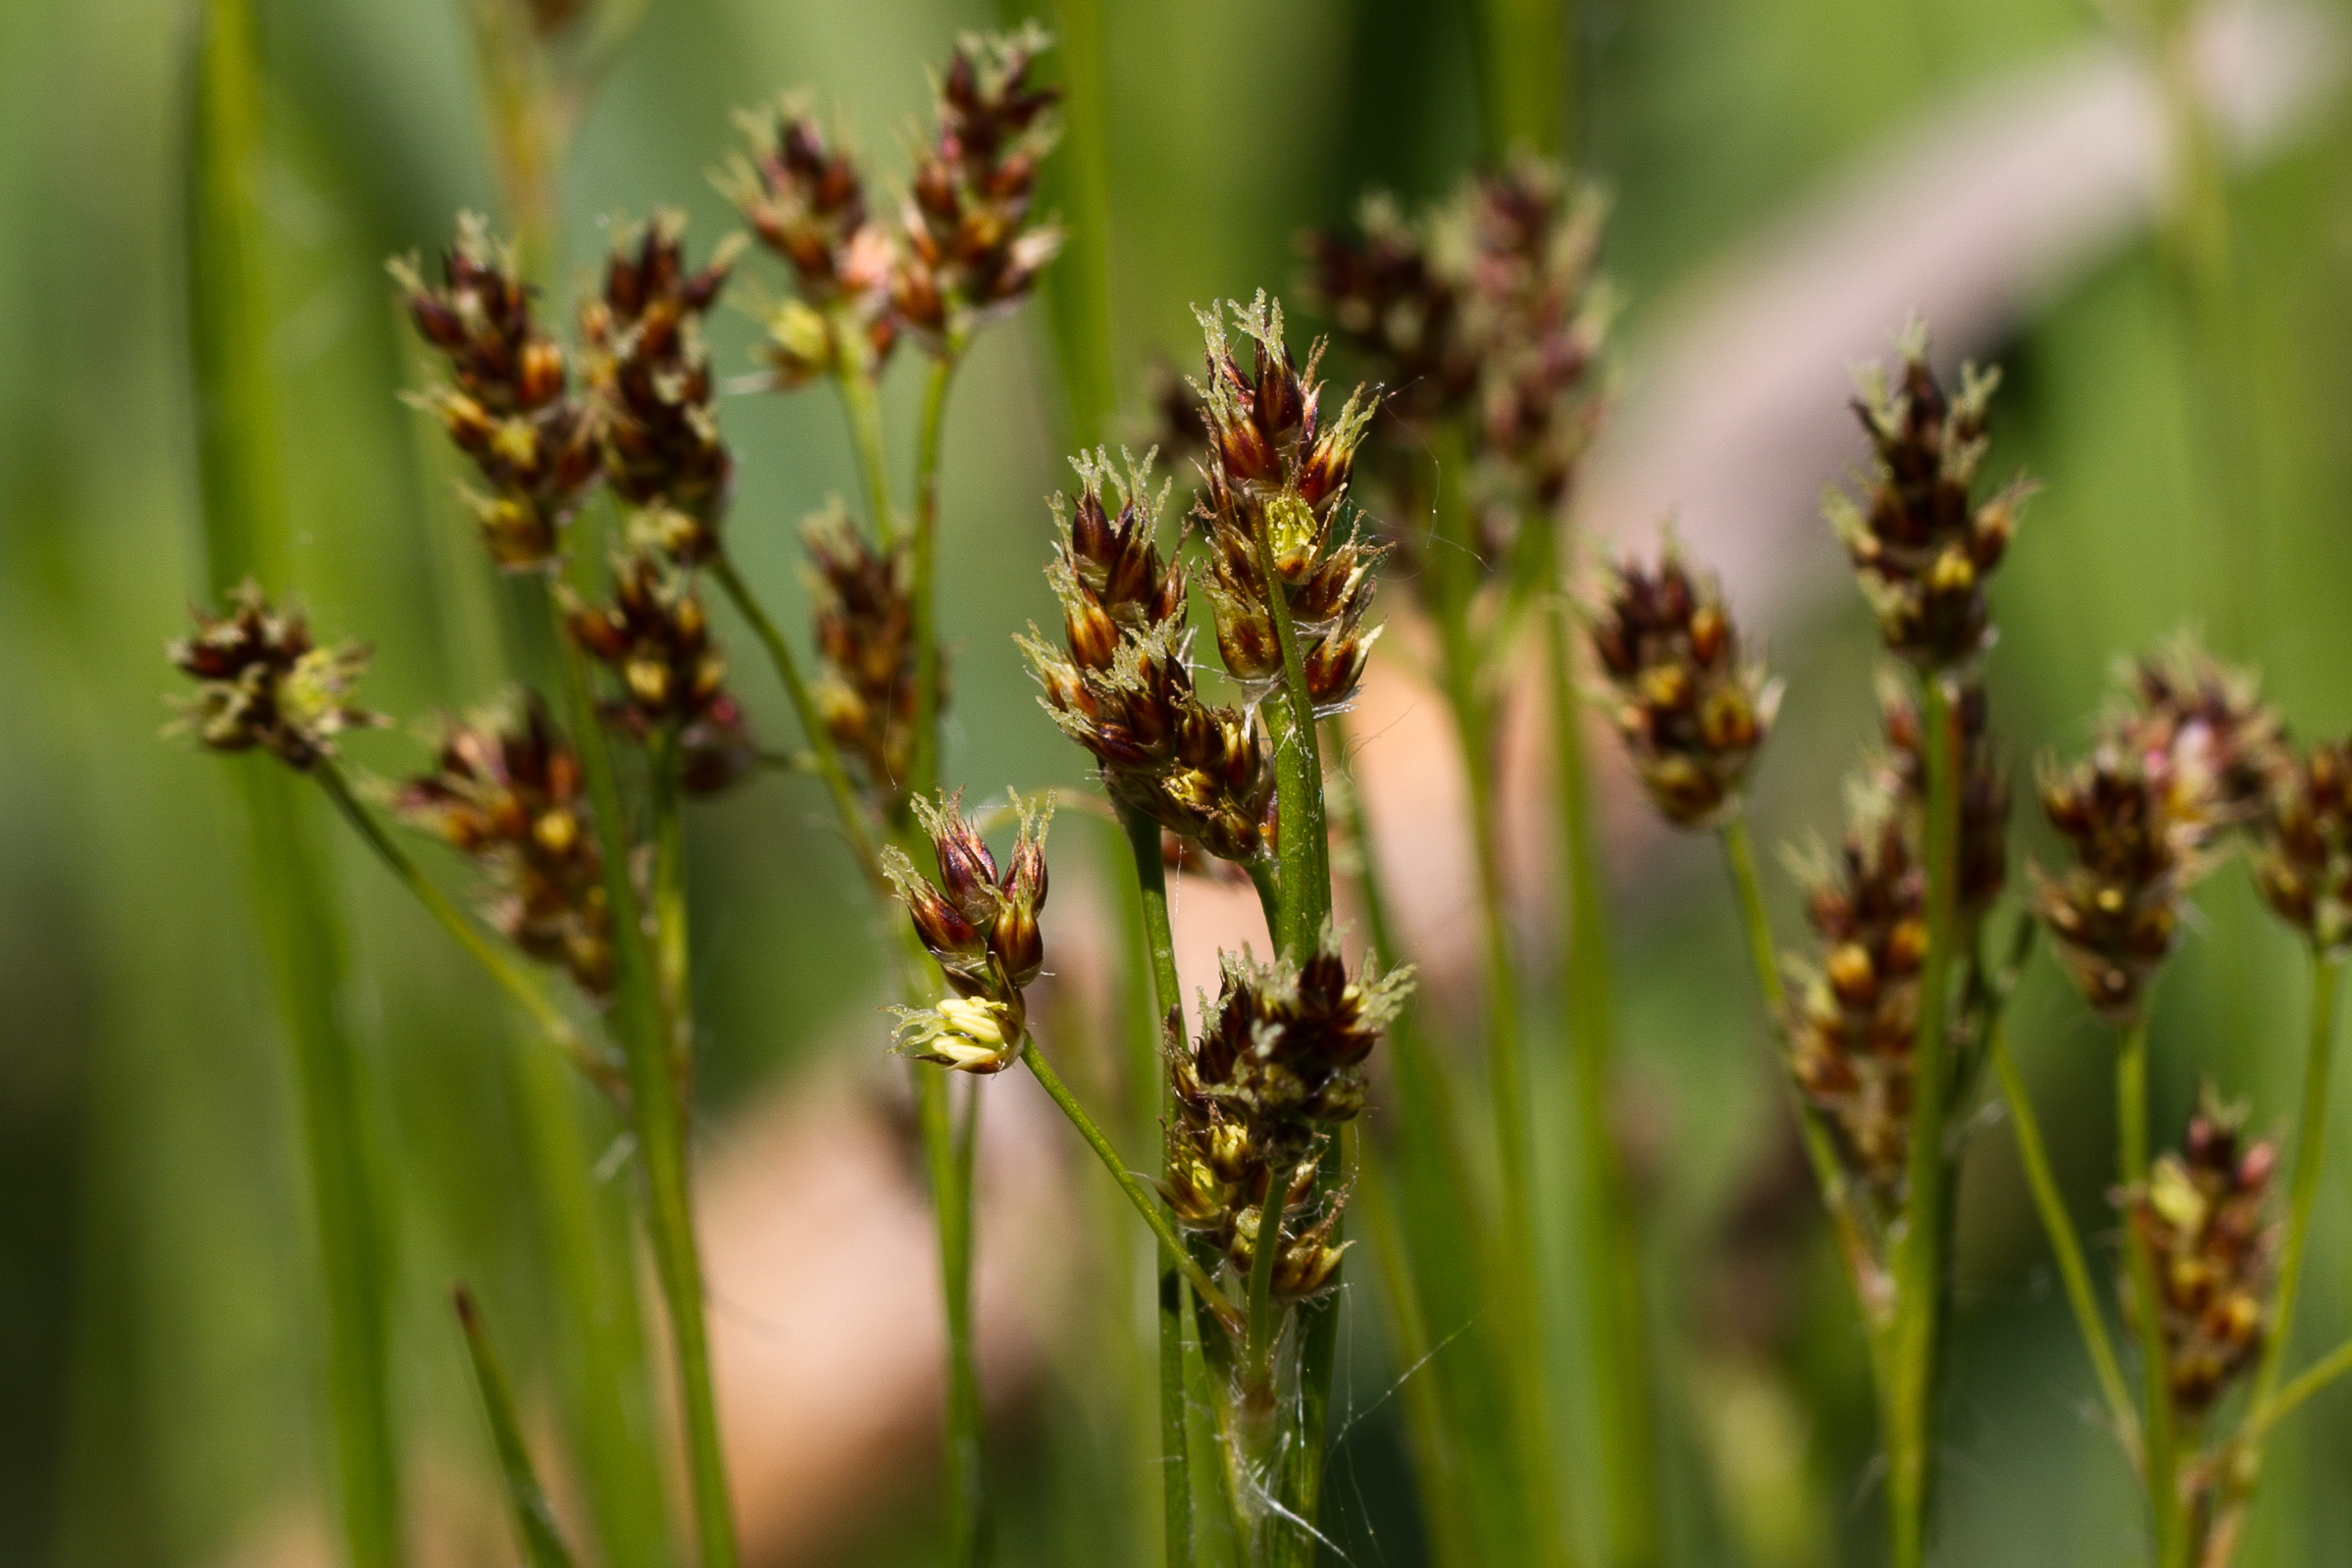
{"x":972,"y":249}
{"x":261,"y":681}
{"x":982,"y":927}
{"x":1280,"y":1058}
{"x":2303,"y":846}
{"x":654,"y":635}
{"x":652,"y":393}
{"x":805,"y":199}
{"x":2203,"y":1214}
{"x":1691,"y":710}
{"x":865,"y":631}
{"x":508,"y":404}
{"x":1920,"y":542}
{"x":1983,"y":785}
{"x":506,"y":791}
{"x":1275,"y":481}
{"x":1121,"y":684}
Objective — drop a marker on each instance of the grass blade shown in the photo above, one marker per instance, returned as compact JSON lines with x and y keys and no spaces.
{"x":239,"y":459}
{"x":526,"y":1498}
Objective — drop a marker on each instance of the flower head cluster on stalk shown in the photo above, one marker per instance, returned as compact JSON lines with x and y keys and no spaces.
{"x":1920,"y":542}
{"x":506,"y":791}
{"x":2303,"y":846}
{"x":981,"y":925}
{"x":508,"y":404}
{"x":804,"y":198}
{"x":1274,"y":486}
{"x":1485,"y":313}
{"x":654,"y":635}
{"x":1121,"y":683}
{"x":1280,"y":1057}
{"x":2203,"y":1214}
{"x":650,"y":382}
{"x":1691,"y":711}
{"x":1982,"y":778}
{"x":261,"y":681}
{"x":863,"y":595}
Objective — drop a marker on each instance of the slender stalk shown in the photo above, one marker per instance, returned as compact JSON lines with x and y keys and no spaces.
{"x":1160,"y":963}
{"x":670,"y":947}
{"x":2065,"y":1246}
{"x":495,"y":960}
{"x":2157,"y":1422}
{"x":660,"y":1124}
{"x":1919,"y":1253}
{"x":1524,"y":72}
{"x":2314,"y":1378}
{"x":1303,"y":843}
{"x":1211,"y":1296}
{"x":2310,"y":1143}
{"x":924,"y":767}
{"x":1257,"y":1344}
{"x":240,"y":457}
{"x":526,"y":1498}
{"x":1612,"y":1248}
{"x":862,"y":404}
{"x":1820,"y":1148}
{"x":827,"y":755}
{"x":966,"y":1487}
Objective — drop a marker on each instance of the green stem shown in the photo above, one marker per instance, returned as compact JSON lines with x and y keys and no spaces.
{"x":2065,"y":1246}
{"x":2321,"y":1373}
{"x":660,"y":1120}
{"x":924,"y":767}
{"x":1159,"y":962}
{"x":967,"y":1477}
{"x":495,"y":960}
{"x":828,"y":757}
{"x":1145,"y":1205}
{"x":2311,"y":1143}
{"x":861,"y":403}
{"x":670,"y":945}
{"x":1612,"y":1248}
{"x":1524,"y":70}
{"x":526,"y":1498}
{"x":1821,"y":1147}
{"x":2157,"y":1422}
{"x":1919,"y":1262}
{"x":1303,"y":845}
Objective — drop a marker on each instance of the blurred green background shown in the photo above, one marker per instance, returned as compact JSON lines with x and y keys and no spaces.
{"x":158,"y":1312}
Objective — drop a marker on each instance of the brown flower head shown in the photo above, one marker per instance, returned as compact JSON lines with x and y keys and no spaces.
{"x":2303,"y":846}
{"x":1277,"y":472}
{"x":865,"y":639}
{"x":652,"y":382}
{"x":507,"y":405}
{"x":805,"y":199}
{"x":1855,"y":1018}
{"x":1691,"y":711}
{"x":506,"y":791}
{"x":261,"y":681}
{"x":982,"y":927}
{"x":2183,"y":701}
{"x":656,"y":636}
{"x":1121,"y":684}
{"x":1921,"y":544}
{"x":2202,"y":1214}
{"x":973,"y":250}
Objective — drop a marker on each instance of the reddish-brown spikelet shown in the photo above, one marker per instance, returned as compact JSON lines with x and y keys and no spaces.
{"x":261,"y":681}
{"x":654,"y":635}
{"x":2202,"y":1214}
{"x":981,"y":925}
{"x":865,"y":639}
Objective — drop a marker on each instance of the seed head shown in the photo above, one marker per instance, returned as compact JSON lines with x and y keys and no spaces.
{"x":972,"y":250}
{"x":862,"y":593}
{"x":1276,"y":467}
{"x":650,"y":377}
{"x":807,"y":201}
{"x":2303,"y":846}
{"x":506,"y":791}
{"x":655,"y":636}
{"x":261,"y":681}
{"x":507,"y":405}
{"x":1692,"y":713}
{"x":982,"y":927}
{"x":2183,"y":699}
{"x":2202,"y":1214}
{"x":1921,"y":544}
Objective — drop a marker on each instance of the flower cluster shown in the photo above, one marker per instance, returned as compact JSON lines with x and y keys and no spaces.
{"x":261,"y":681}
{"x":1121,"y":685}
{"x":507,"y":407}
{"x":1921,"y":545}
{"x":1274,"y":482}
{"x":656,"y":636}
{"x":2202,"y":1215}
{"x":652,"y":394}
{"x":972,"y":250}
{"x":1983,"y":785}
{"x":981,"y":925}
{"x":1692,"y":713}
{"x":863,"y":593}
{"x":2303,"y":848}
{"x":1281,"y":1053}
{"x":506,"y":791}
{"x":807,"y":201}
{"x":2183,"y":699}
{"x":1856,"y":1018}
